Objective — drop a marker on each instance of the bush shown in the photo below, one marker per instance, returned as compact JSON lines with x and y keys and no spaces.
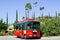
{"x":51,"y":27}
{"x":2,"y":33}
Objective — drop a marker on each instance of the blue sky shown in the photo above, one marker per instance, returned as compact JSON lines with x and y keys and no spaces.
{"x":10,"y":6}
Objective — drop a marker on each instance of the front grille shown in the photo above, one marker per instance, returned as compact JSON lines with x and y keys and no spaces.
{"x":34,"y":32}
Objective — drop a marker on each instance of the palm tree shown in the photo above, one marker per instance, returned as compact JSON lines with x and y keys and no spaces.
{"x":35,"y":3}
{"x":23,"y":17}
{"x":42,"y":8}
{"x":28,"y":7}
{"x":25,"y":14}
{"x":33,"y":16}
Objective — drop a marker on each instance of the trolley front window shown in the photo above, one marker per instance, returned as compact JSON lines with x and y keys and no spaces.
{"x":31,"y":26}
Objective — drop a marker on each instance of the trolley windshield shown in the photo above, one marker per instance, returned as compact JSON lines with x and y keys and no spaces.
{"x":31,"y":26}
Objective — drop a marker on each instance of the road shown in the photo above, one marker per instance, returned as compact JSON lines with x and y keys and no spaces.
{"x":14,"y":38}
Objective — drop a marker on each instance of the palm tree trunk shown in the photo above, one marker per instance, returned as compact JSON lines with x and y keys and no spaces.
{"x":42,"y":15}
{"x":28,"y":14}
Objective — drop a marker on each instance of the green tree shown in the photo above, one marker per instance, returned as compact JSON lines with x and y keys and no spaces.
{"x":49,"y":14}
{"x":16,"y":18}
{"x":28,"y":7}
{"x":7,"y":19}
{"x":16,"y":15}
{"x":56,"y":14}
{"x":3,"y":25}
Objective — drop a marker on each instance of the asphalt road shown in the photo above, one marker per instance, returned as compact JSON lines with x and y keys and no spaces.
{"x":15,"y":38}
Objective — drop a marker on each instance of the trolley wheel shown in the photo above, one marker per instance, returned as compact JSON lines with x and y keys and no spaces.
{"x":18,"y":37}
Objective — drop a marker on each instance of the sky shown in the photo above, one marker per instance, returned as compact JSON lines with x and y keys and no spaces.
{"x":10,"y":7}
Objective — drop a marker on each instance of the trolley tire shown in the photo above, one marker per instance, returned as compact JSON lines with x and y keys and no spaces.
{"x":18,"y":37}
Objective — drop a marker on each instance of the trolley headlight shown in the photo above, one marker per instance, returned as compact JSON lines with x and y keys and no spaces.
{"x":24,"y":31}
{"x":34,"y":31}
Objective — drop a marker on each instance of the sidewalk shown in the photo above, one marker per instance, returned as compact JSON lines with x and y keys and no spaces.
{"x":49,"y":37}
